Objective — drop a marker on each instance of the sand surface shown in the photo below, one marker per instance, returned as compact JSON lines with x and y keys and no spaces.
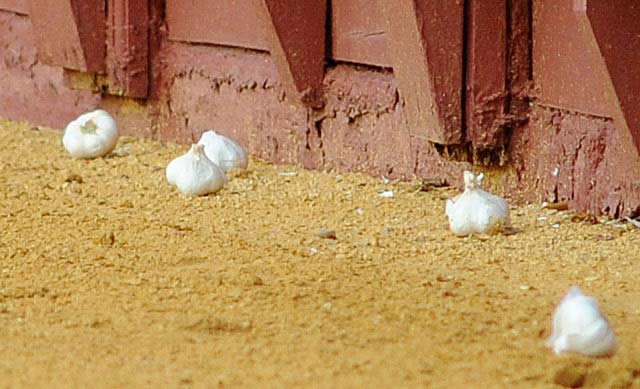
{"x":110,"y":278}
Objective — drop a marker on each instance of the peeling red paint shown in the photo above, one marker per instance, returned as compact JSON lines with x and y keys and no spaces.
{"x":578,"y":158}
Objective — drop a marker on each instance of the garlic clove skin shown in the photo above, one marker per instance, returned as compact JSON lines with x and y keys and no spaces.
{"x":477,"y":211}
{"x":93,"y":134}
{"x":579,"y":326}
{"x":194,"y":174}
{"x":224,"y":152}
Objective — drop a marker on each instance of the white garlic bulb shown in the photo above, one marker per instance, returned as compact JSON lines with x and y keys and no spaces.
{"x":223,"y":151}
{"x":579,"y":326}
{"x":194,"y":174}
{"x":92,"y":134}
{"x":476,"y":211}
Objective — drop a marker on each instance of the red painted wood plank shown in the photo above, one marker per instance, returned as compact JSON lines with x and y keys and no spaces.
{"x":426,"y":44}
{"x":17,"y":6}
{"x":358,"y":27}
{"x":230,"y":23}
{"x":296,"y":33}
{"x":486,"y":72}
{"x":359,"y":32}
{"x":72,"y":36}
{"x":128,"y":47}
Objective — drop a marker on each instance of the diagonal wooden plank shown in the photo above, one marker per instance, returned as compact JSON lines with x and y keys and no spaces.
{"x":617,"y":31}
{"x":426,"y":46}
{"x":296,"y":35}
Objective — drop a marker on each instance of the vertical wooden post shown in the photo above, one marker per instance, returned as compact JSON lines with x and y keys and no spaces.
{"x":128,"y":47}
{"x":486,"y":72}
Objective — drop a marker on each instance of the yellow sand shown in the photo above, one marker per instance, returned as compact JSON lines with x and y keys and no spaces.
{"x":110,"y":278}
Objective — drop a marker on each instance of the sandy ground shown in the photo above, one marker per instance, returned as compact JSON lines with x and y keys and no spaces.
{"x":110,"y":278}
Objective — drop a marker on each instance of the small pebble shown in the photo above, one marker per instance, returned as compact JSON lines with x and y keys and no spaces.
{"x":122,"y":151}
{"x":428,"y":185}
{"x":73,"y":178}
{"x":327,"y":233}
{"x":387,"y":194}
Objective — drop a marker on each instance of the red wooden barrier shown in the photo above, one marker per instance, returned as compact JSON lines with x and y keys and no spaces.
{"x":422,"y":40}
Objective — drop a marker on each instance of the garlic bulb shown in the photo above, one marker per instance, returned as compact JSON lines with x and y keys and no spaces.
{"x":476,"y":211}
{"x":223,"y":151}
{"x":579,"y":326}
{"x":194,"y":174}
{"x":92,"y":134}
